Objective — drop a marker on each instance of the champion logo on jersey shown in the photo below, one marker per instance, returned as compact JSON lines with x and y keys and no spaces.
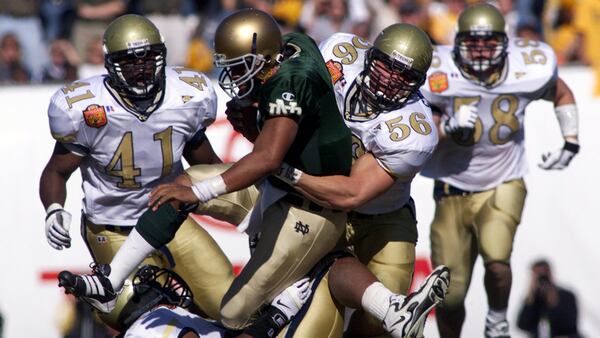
{"x":438,"y":82}
{"x":95,"y":116}
{"x":109,"y":109}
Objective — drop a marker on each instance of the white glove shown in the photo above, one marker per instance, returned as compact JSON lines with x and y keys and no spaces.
{"x":58,"y":221}
{"x":560,"y":158}
{"x":290,"y":301}
{"x":464,"y":118}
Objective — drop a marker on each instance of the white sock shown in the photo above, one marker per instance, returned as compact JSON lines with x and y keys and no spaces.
{"x":128,"y":258}
{"x":496,"y":316}
{"x":376,"y":300}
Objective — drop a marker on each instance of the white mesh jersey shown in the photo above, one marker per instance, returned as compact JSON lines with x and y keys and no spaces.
{"x":167,"y":322}
{"x":401,"y":140}
{"x":494,"y":152}
{"x":124,"y":156}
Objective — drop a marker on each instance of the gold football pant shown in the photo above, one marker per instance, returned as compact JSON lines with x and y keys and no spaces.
{"x":294,"y":237}
{"x":471,"y":223}
{"x":385,"y":243}
{"x":192,"y":254}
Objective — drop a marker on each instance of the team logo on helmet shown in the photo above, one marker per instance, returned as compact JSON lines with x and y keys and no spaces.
{"x":438,"y":82}
{"x":95,"y":116}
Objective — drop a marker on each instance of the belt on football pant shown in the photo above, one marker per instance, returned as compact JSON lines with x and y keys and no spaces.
{"x":100,"y":227}
{"x":359,"y":215}
{"x":442,"y":189}
{"x":301,"y":202}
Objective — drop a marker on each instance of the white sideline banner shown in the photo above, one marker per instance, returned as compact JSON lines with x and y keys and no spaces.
{"x":558,"y":221}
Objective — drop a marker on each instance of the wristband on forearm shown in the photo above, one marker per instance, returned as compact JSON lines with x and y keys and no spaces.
{"x":572,"y":147}
{"x":210,"y":188}
{"x":568,"y":119}
{"x":289,"y":174}
{"x":269,"y":324}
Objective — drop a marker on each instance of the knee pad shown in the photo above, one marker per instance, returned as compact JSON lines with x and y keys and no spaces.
{"x":159,"y":227}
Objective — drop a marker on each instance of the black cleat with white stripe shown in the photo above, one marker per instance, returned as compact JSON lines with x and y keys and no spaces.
{"x":94,"y":289}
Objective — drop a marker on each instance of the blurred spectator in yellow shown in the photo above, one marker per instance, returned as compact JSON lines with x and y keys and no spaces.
{"x":560,"y":32}
{"x":199,"y":54}
{"x":12,"y":69}
{"x":21,"y":19}
{"x":287,"y":12}
{"x":443,"y":20}
{"x":92,"y":18}
{"x":587,"y":24}
{"x":93,"y":61}
{"x":64,"y":62}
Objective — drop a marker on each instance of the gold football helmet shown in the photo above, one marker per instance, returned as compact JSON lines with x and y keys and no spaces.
{"x":481,"y":43}
{"x":248,"y":44}
{"x":395,"y":67}
{"x":150,"y":286}
{"x":134,"y":56}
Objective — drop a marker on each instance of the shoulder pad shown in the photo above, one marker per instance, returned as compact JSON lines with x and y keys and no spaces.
{"x":69,"y":106}
{"x":532,"y":65}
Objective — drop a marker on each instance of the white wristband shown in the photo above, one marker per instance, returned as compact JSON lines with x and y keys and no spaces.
{"x":52,"y":207}
{"x":289,"y":174}
{"x":210,"y":188}
{"x":568,"y":119}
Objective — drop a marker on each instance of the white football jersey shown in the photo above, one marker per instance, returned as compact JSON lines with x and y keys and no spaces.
{"x":125,"y":157}
{"x":494,"y":152}
{"x":168,"y":322}
{"x":401,"y":140}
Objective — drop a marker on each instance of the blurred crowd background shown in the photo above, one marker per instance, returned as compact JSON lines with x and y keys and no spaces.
{"x":61,"y":40}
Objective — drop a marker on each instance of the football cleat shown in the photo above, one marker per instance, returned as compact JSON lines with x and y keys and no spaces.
{"x":94,"y":289}
{"x":496,"y":329}
{"x":407,"y":318}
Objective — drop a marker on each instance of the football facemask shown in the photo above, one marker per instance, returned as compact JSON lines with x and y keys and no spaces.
{"x":388,"y":83}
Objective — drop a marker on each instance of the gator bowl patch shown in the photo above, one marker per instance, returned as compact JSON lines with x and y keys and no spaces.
{"x":438,"y":82}
{"x":95,"y":116}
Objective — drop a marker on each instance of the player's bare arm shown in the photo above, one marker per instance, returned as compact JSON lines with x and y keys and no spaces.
{"x":54,"y":178}
{"x":53,"y":192}
{"x":200,"y":153}
{"x":366,"y":181}
{"x":270,"y":147}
